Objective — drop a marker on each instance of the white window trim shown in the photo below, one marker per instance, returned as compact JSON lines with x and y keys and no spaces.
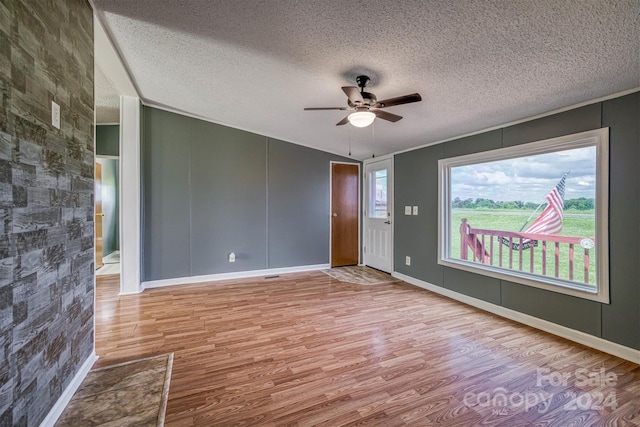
{"x":598,"y":138}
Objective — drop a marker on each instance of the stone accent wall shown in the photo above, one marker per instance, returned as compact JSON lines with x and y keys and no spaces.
{"x":46,"y":203}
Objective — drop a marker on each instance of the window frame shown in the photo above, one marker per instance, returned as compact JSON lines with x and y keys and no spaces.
{"x":598,"y":138}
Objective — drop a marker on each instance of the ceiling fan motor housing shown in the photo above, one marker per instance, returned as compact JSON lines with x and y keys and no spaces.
{"x":369,"y":100}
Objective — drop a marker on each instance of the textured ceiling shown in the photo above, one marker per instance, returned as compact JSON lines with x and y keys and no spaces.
{"x":255,"y":64}
{"x":107,"y":99}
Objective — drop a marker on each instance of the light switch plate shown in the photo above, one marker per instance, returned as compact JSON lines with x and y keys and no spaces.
{"x":55,"y":115}
{"x":415,"y":210}
{"x":407,"y":210}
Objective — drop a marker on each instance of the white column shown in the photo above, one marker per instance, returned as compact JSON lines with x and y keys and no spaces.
{"x":130,"y":222}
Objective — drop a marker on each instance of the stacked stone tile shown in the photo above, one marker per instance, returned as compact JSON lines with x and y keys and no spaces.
{"x":46,"y":203}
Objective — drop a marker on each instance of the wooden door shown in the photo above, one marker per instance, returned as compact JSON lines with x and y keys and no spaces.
{"x":99,"y":215}
{"x":344,"y":214}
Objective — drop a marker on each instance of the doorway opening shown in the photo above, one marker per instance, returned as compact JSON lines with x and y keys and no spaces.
{"x":107,"y":174}
{"x":107,"y":215}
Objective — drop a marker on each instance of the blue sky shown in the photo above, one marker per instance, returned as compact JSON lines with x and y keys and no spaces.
{"x":528,"y":179}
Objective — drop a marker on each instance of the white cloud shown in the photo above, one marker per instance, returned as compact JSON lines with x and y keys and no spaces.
{"x":528,"y":179}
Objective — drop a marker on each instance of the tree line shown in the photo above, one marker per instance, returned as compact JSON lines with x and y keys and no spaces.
{"x":580,"y":204}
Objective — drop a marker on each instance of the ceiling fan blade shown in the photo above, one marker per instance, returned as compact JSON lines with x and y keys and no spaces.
{"x":353,"y":93}
{"x":327,"y":108}
{"x":386,"y":116}
{"x":343,"y":121}
{"x":406,"y":99}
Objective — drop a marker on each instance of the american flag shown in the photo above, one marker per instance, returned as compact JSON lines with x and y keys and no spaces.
{"x":550,"y":220}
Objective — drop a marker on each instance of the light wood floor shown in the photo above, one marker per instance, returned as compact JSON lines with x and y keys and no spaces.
{"x":307,"y":350}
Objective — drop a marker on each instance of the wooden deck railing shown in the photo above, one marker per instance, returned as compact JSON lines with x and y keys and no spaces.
{"x":487,"y":246}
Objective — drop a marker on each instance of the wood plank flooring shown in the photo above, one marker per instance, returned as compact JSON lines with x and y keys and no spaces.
{"x":308,"y":350}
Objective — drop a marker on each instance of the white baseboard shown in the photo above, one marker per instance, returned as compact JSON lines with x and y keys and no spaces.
{"x":131,"y":292}
{"x":67,"y":394}
{"x":229,"y":276}
{"x":597,"y":343}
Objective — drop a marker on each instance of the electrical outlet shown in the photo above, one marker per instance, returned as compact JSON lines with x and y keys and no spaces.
{"x":407,"y":210}
{"x":232,"y":257}
{"x":55,"y":115}
{"x":407,"y":260}
{"x":415,"y":210}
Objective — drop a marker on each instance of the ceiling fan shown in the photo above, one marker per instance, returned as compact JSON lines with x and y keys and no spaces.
{"x":366,"y":107}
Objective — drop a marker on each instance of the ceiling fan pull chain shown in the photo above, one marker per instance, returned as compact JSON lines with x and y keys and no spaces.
{"x":349,"y":140}
{"x":373,"y":134}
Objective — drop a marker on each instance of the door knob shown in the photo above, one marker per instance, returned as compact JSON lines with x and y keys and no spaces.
{"x":335,"y":214}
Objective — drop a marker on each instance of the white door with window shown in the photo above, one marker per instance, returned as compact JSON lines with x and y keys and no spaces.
{"x":378,"y":215}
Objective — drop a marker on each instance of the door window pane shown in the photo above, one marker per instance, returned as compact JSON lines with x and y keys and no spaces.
{"x":378,"y":194}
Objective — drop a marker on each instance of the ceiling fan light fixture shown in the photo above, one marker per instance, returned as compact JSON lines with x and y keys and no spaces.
{"x":361,"y":119}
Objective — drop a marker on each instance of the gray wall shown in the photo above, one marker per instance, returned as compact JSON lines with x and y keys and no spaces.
{"x":110,"y":205}
{"x":46,"y":203}
{"x":209,"y":190}
{"x":416,"y":178}
{"x":108,"y":140}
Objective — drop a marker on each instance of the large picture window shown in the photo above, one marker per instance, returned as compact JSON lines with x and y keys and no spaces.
{"x":535,"y":214}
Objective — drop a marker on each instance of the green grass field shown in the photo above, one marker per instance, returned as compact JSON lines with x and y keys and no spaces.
{"x":576,"y":226}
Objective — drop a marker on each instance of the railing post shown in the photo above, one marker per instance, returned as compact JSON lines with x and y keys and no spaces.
{"x":557,"y":259}
{"x":570,"y":261}
{"x":484,"y":251}
{"x":510,"y":253}
{"x":464,"y":239}
{"x":586,"y":266}
{"x":520,"y":252}
{"x":531,"y":256}
{"x":491,"y":250}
